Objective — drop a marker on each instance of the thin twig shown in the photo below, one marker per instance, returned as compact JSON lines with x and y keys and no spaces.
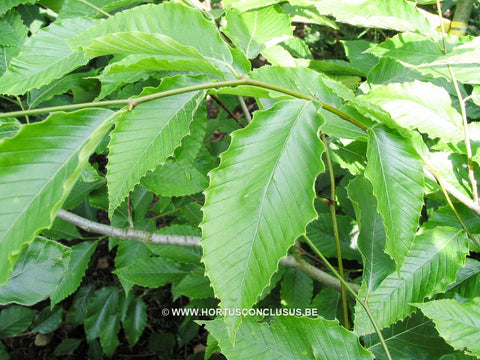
{"x":450,"y":203}
{"x":131,"y":103}
{"x":245,"y":110}
{"x":95,"y":7}
{"x":333,"y":214}
{"x":178,"y":240}
{"x":364,"y":304}
{"x":463,"y":111}
{"x":19,"y":102}
{"x":129,"y":212}
{"x":457,"y":194}
{"x":230,"y":112}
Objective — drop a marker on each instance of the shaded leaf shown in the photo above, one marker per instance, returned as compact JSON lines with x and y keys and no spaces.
{"x":195,"y":285}
{"x":180,"y":176}
{"x":48,"y":320}
{"x":413,"y":338}
{"x":259,"y":201}
{"x":37,"y":272}
{"x":9,"y":127}
{"x":420,"y":105}
{"x":147,"y":135}
{"x":396,"y":173}
{"x":457,"y":323}
{"x":289,"y":338}
{"x":79,"y":260}
{"x":102,"y":319}
{"x":38,"y":168}
{"x":429,"y":267}
{"x":15,"y":320}
{"x":151,"y":272}
{"x":6,"y":5}
{"x":44,"y":57}
{"x":377,"y":265}
{"x":297,"y":289}
{"x":135,"y":320}
{"x":257,"y":29}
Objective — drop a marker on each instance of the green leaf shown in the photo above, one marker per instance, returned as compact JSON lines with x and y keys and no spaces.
{"x":321,"y":232}
{"x":255,"y":30}
{"x":289,"y":338}
{"x":78,"y":310}
{"x":8,"y":35}
{"x":425,"y":55}
{"x":38,"y":168}
{"x":422,"y":106}
{"x":372,"y":238}
{"x":197,"y":32}
{"x":245,"y":5}
{"x":467,"y":279}
{"x":356,"y":52}
{"x":258,"y":200}
{"x":429,"y":267}
{"x":151,"y":272}
{"x":75,"y":8}
{"x":15,"y":320}
{"x":413,"y":338}
{"x":297,"y":289}
{"x":180,"y":176}
{"x":102,"y":319}
{"x":351,"y":156}
{"x":44,"y":57}
{"x":67,"y":346}
{"x":48,"y":320}
{"x":168,"y":54}
{"x":195,"y":285}
{"x":146,"y":136}
{"x":9,"y":127}
{"x":397,"y":15}
{"x":61,"y":229}
{"x":82,"y":87}
{"x":6,"y":5}
{"x":8,"y":52}
{"x":40,"y":267}
{"x":457,"y":323}
{"x":135,"y":320}
{"x":396,"y":173}
{"x":77,"y":266}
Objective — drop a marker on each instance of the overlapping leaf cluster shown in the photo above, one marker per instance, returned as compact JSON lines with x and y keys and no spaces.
{"x":395,"y":124}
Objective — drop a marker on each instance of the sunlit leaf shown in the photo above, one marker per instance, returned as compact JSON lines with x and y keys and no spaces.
{"x":38,"y":168}
{"x":289,"y":338}
{"x":259,"y":201}
{"x":395,"y":171}
{"x":429,"y":267}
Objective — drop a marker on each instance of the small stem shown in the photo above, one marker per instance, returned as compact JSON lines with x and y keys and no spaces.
{"x":463,"y":111}
{"x":129,"y":212}
{"x":450,"y":203}
{"x":245,"y":110}
{"x":19,"y":102}
{"x":230,"y":112}
{"x":352,"y":291}
{"x":95,"y":7}
{"x":212,"y":85}
{"x":333,"y":214}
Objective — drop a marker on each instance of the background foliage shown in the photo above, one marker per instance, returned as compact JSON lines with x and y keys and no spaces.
{"x":269,"y":154}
